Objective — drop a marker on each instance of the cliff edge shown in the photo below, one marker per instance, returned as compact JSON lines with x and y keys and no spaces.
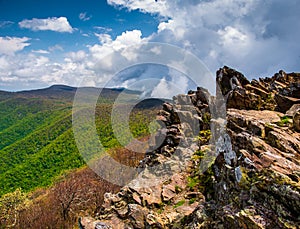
{"x":230,"y":161}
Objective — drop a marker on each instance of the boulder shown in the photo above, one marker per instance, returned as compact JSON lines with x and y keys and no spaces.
{"x":296,"y":120}
{"x":292,"y":111}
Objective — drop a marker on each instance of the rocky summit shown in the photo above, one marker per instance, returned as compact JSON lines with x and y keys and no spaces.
{"x":224,"y":161}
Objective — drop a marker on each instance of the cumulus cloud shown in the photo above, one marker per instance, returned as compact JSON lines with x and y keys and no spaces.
{"x":147,"y":6}
{"x":57,"y":24}
{"x":103,"y":38}
{"x":255,"y":36}
{"x":11,"y":45}
{"x":25,"y":71}
{"x":108,"y":46}
{"x":79,"y":56}
{"x":84,"y":17}
{"x":176,"y":83}
{"x":34,"y":69}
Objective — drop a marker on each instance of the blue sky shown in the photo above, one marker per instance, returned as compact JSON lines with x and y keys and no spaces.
{"x":64,"y":42}
{"x":85,"y":17}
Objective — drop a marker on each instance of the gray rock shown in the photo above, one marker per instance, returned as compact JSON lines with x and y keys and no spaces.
{"x":102,"y":225}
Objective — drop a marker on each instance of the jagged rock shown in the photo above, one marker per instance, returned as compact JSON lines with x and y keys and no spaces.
{"x":284,"y":103}
{"x":137,"y":198}
{"x":277,"y":93}
{"x":269,"y":147}
{"x":187,"y":209}
{"x":291,"y":112}
{"x":168,"y":192}
{"x":229,"y":79}
{"x":252,"y":121}
{"x":154,"y":221}
{"x":90,"y":223}
{"x":138,"y":214}
{"x":150,"y":195}
{"x":296,"y":120}
{"x":168,"y":107}
{"x":246,"y":220}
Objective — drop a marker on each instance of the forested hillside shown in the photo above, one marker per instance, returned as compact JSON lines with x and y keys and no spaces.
{"x":36,"y":137}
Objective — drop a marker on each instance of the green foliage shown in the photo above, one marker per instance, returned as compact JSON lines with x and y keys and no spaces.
{"x":201,"y":181}
{"x":206,"y":118}
{"x":191,"y":201}
{"x":203,"y":137}
{"x":179,"y":203}
{"x":37,"y":142}
{"x":11,"y":205}
{"x":178,"y":189}
{"x":193,"y":182}
{"x":284,"y":121}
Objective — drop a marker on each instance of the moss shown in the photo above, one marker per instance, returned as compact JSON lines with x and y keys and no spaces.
{"x":193,"y":200}
{"x":193,"y":182}
{"x":284,"y":121}
{"x":179,"y":203}
{"x":178,"y":189}
{"x":198,"y":155}
{"x":245,"y":182}
{"x":206,"y":182}
{"x":159,"y":211}
{"x":198,"y":181}
{"x":206,"y":118}
{"x":203,"y":137}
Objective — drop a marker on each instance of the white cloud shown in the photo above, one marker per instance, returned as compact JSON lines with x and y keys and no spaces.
{"x":83,"y":16}
{"x":79,"y":56}
{"x":104,"y":38}
{"x":109,"y":46}
{"x":25,"y":71}
{"x":254,"y":36}
{"x":149,"y":6}
{"x":35,"y":70}
{"x":56,"y":47}
{"x":4,"y":24}
{"x":11,"y":45}
{"x":40,"y":51}
{"x":168,"y":88}
{"x":60,"y":24}
{"x":103,"y":29}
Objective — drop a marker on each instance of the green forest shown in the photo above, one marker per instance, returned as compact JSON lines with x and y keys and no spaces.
{"x":36,"y":138}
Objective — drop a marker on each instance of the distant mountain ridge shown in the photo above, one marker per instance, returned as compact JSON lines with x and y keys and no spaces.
{"x":60,"y":91}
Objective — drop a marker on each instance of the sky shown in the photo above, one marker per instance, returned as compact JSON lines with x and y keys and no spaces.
{"x":69,"y":42}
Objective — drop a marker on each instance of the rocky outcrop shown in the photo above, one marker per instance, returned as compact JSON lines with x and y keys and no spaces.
{"x":279,"y":92}
{"x":209,"y":169}
{"x":259,"y":188}
{"x":160,"y":196}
